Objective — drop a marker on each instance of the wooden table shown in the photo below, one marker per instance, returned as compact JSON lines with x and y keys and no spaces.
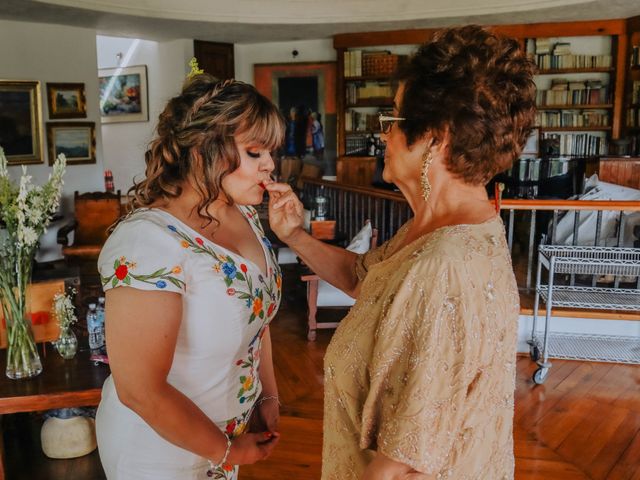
{"x":62,"y":383}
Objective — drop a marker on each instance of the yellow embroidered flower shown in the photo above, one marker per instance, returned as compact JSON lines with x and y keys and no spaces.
{"x":216,"y":267}
{"x":278,"y":281}
{"x":184,"y":244}
{"x":132,"y":265}
{"x":177,"y":269}
{"x":248,"y":383}
{"x":123,"y":259}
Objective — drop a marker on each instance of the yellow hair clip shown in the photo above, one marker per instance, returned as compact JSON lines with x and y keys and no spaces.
{"x":193,"y":63}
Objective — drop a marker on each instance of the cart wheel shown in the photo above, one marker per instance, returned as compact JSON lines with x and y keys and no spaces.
{"x":540,"y":375}
{"x":311,"y":336}
{"x":534,"y":352}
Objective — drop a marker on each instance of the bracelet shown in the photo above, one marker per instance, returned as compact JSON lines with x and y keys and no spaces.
{"x":215,"y":466}
{"x":270,"y":397}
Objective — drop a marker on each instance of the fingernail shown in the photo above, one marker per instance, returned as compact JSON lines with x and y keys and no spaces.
{"x":268,"y":434}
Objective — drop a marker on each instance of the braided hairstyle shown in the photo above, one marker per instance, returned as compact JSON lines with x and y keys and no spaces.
{"x":479,"y":85}
{"x":195,"y":140}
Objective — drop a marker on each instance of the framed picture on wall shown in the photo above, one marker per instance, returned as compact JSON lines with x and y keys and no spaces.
{"x":20,"y":121}
{"x":66,"y":100}
{"x":77,"y":140}
{"x":123,"y":94}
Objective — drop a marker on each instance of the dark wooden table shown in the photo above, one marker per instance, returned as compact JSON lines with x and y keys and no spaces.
{"x":62,"y":383}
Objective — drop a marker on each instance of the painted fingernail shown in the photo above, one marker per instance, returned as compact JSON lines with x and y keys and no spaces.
{"x":268,"y":434}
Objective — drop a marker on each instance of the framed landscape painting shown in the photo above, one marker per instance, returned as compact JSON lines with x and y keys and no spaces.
{"x":123,"y":94}
{"x":20,"y":121}
{"x":66,"y":100}
{"x":77,"y":140}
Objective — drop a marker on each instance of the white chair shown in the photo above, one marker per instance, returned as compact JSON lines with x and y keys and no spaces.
{"x":324,"y":295}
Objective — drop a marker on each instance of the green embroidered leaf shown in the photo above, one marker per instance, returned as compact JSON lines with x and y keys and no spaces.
{"x":243,"y":379}
{"x":175,"y":281}
{"x":252,"y":317}
{"x":240,"y":392}
{"x":114,"y":282}
{"x":240,"y":277}
{"x":116,"y":264}
{"x":228,"y":281}
{"x":127,"y":280}
{"x":261,"y":314}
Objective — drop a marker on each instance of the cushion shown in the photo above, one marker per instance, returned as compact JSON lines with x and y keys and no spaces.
{"x":361,"y":243}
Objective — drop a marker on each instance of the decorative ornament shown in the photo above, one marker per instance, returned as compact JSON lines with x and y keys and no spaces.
{"x":193,"y":63}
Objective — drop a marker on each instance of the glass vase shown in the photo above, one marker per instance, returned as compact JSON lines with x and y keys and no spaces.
{"x":23,"y":360}
{"x":67,"y":343}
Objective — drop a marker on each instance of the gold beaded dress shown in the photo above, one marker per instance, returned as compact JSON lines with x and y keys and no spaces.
{"x":422,"y":369}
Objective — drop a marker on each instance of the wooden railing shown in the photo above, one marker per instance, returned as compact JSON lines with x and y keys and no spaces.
{"x":527,"y":222}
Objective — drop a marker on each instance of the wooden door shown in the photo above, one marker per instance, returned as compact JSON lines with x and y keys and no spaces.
{"x":215,"y":58}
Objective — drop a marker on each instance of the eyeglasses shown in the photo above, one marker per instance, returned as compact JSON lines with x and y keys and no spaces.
{"x":387,"y":122}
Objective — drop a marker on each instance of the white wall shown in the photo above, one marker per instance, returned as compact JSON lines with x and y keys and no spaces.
{"x":246,"y":55}
{"x":167,"y":67}
{"x":53,"y":53}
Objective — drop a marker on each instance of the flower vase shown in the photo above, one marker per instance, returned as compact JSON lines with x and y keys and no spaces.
{"x":23,"y":360}
{"x":67,"y":343}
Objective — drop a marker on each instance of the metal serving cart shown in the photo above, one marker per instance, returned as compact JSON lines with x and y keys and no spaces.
{"x":595,"y":261}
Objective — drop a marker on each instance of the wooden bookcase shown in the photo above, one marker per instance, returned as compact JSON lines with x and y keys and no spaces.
{"x":618,"y":34}
{"x":632,"y":94}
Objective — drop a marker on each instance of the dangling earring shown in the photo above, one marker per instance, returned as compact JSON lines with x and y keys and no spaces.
{"x":427,"y":158}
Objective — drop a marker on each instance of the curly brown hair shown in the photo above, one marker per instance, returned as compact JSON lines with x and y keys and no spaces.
{"x":479,"y":86}
{"x":195,"y":139}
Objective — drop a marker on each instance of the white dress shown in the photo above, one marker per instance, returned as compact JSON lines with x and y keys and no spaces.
{"x":227,"y":304}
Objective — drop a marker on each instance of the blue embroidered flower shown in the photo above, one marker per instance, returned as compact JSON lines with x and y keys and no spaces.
{"x":161,"y":284}
{"x":172,"y":228}
{"x":257,"y":294}
{"x":248,"y":302}
{"x":230,"y":270}
{"x":266,"y":241}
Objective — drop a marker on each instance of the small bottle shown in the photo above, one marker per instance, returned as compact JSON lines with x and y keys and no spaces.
{"x":108,"y":181}
{"x":100,"y":314}
{"x":96,"y":331}
{"x":322,"y":205}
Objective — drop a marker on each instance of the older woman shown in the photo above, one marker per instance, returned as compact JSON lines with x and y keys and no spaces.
{"x":419,"y":377}
{"x":191,"y":285}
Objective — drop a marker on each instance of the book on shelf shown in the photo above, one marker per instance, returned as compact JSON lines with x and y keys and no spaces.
{"x":564,"y":92}
{"x":572,"y":118}
{"x":635,"y":56}
{"x":574,"y":144}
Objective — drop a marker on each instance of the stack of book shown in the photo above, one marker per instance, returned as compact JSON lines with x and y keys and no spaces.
{"x":575,"y":144}
{"x":367,"y":91}
{"x":557,"y":56}
{"x":572,"y":118}
{"x":564,"y":92}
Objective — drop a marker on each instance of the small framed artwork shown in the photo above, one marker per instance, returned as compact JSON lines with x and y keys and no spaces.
{"x":20,"y":119}
{"x":123,"y":94}
{"x":66,"y":100}
{"x":77,"y":140}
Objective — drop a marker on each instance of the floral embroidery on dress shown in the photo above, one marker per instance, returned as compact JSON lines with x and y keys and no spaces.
{"x":122,"y":274}
{"x":239,"y":283}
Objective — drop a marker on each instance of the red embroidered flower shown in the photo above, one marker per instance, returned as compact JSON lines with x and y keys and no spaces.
{"x":243,"y":267}
{"x":231,"y":291}
{"x":271,"y":308}
{"x":199,"y":241}
{"x":121,"y":272}
{"x":239,"y":362}
{"x":230,"y":427}
{"x":227,"y":467}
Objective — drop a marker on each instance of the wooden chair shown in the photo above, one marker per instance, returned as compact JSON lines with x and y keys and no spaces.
{"x":95,"y":212}
{"x":321,"y":294}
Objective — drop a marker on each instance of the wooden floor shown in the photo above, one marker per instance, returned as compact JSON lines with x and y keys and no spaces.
{"x":583,"y":423}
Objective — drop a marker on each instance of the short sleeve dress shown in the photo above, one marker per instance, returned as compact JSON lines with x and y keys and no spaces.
{"x":228,"y":303}
{"x":422,"y":369}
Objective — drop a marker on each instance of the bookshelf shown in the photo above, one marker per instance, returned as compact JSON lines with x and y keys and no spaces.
{"x":632,"y":118}
{"x":583,"y":121}
{"x":575,"y":82}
